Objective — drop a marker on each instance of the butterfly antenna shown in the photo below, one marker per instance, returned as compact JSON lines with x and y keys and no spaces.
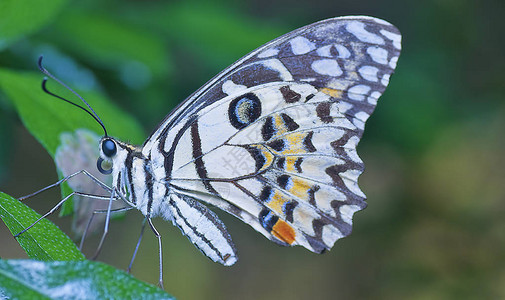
{"x":44,"y":88}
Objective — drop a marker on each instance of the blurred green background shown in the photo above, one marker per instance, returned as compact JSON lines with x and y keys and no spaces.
{"x":434,"y":148}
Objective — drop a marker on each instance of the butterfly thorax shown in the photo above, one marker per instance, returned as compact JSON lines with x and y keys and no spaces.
{"x":132,"y":176}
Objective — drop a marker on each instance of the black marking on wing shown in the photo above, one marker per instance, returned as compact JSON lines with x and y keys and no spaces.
{"x":281,"y":163}
{"x":323,"y":112}
{"x":289,"y":95}
{"x":267,"y":219}
{"x":298,"y":164}
{"x":266,"y":193}
{"x":283,"y":181}
{"x":168,"y":163}
{"x":335,"y":221}
{"x":311,"y":192}
{"x":277,"y":145}
{"x":289,"y":122}
{"x":268,"y":129}
{"x":149,"y":184}
{"x":197,"y":155}
{"x":345,"y":228}
{"x":257,"y":155}
{"x":288,"y":210}
{"x":307,"y":142}
{"x":309,"y":97}
{"x":338,"y":147}
{"x":316,"y":244}
{"x":317,"y":225}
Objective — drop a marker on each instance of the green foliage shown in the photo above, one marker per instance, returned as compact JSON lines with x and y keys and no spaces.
{"x":30,"y":279}
{"x":44,"y":241}
{"x":221,"y":36}
{"x":47,"y":117}
{"x":19,"y":18}
{"x":111,"y":43}
{"x":433,"y":148}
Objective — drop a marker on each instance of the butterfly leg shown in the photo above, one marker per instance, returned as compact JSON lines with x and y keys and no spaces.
{"x":137,"y":246}
{"x":96,"y":180}
{"x":158,"y":236}
{"x":106,"y":227}
{"x":91,"y":220}
{"x":58,"y":206}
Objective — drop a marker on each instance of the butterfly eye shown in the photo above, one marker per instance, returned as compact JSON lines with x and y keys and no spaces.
{"x":100,"y":168}
{"x":109,"y":148}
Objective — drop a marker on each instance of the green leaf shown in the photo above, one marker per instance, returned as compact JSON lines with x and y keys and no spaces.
{"x":21,"y":17}
{"x":47,"y":117}
{"x":6,"y":136}
{"x":44,"y":241}
{"x":216,"y":33}
{"x":112,"y":43}
{"x":29,"y":279}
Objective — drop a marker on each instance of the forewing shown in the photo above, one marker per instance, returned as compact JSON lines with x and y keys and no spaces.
{"x":272,"y":139}
{"x":366,"y":50}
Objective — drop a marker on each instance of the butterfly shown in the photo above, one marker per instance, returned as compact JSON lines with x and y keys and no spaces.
{"x":270,"y":140}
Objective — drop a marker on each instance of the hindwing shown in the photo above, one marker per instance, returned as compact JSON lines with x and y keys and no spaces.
{"x":272,"y":139}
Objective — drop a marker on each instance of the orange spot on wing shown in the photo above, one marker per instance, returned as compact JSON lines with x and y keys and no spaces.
{"x":332,"y":92}
{"x":295,"y":143}
{"x":279,"y":125}
{"x":284,"y":232}
{"x":269,"y":157}
{"x":277,"y":202}
{"x":300,"y":188}
{"x":290,"y":163}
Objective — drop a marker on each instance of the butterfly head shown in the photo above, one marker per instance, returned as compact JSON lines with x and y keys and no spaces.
{"x":109,"y":148}
{"x":115,"y":152}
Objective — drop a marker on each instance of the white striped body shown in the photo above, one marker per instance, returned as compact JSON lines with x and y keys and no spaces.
{"x":271,"y":140}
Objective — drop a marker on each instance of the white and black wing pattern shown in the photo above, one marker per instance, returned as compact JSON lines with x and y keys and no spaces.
{"x":203,"y":228}
{"x":272,"y":139}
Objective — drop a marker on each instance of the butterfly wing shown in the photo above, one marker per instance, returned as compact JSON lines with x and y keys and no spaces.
{"x":272,"y":139}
